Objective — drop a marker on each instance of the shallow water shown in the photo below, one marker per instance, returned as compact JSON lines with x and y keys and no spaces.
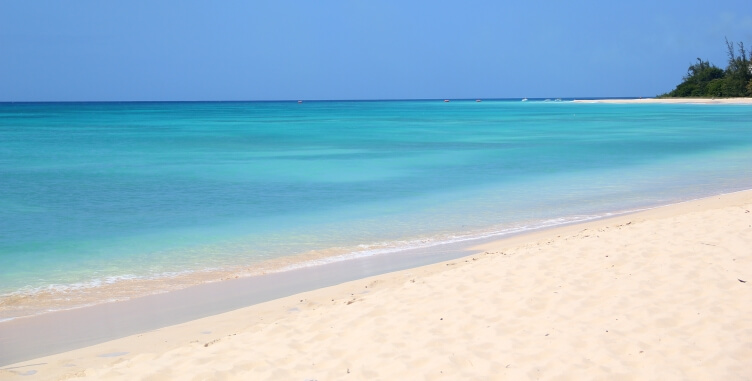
{"x":104,"y":201}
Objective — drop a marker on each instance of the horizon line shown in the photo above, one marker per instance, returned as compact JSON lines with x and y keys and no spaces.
{"x":325,"y":100}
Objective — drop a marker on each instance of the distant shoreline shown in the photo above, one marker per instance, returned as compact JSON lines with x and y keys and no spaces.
{"x":746,"y":101}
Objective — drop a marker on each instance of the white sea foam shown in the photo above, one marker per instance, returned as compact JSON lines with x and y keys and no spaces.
{"x":99,"y":290}
{"x":422,"y":243}
{"x":76,"y":293}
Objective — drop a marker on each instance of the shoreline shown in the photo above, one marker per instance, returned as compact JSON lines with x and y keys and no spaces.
{"x":84,"y":324}
{"x":46,"y":300}
{"x":60,"y":298}
{"x":730,"y":101}
{"x":134,"y":261}
{"x":638,"y":243}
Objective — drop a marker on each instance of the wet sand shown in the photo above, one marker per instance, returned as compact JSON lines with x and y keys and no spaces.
{"x":664,"y":293}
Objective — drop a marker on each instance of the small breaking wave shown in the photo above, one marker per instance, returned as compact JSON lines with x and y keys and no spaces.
{"x":30,"y":301}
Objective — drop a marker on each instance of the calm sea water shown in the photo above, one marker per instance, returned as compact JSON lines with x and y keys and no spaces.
{"x":96,"y":194}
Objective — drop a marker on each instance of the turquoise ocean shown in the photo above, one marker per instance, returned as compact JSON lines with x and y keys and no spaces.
{"x":134,"y":198}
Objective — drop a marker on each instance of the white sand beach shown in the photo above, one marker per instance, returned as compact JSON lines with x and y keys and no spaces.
{"x":661,"y":294}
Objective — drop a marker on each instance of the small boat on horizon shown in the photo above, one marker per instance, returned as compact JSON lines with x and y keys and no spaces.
{"x":446,"y":100}
{"x":524,"y":99}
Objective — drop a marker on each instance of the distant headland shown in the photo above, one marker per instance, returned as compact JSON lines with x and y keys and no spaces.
{"x":705,"y":80}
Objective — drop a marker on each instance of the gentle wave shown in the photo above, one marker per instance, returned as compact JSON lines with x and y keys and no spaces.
{"x":30,"y":301}
{"x":94,"y":283}
{"x":393,"y":247}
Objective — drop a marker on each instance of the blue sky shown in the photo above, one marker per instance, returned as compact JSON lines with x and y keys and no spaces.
{"x":352,"y":49}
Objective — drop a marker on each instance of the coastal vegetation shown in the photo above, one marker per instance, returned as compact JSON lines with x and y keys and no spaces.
{"x":704,"y":79}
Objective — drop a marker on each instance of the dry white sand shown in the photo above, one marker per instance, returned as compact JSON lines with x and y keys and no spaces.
{"x":747,"y":101}
{"x":662,"y":294}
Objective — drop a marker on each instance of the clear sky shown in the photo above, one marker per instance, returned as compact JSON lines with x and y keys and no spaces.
{"x":93,"y":50}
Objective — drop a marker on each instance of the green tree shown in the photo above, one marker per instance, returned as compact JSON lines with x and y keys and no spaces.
{"x":696,"y":80}
{"x":715,"y":88}
{"x":704,"y":79}
{"x":737,"y":73}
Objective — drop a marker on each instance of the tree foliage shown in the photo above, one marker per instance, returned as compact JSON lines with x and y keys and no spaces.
{"x":704,"y":79}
